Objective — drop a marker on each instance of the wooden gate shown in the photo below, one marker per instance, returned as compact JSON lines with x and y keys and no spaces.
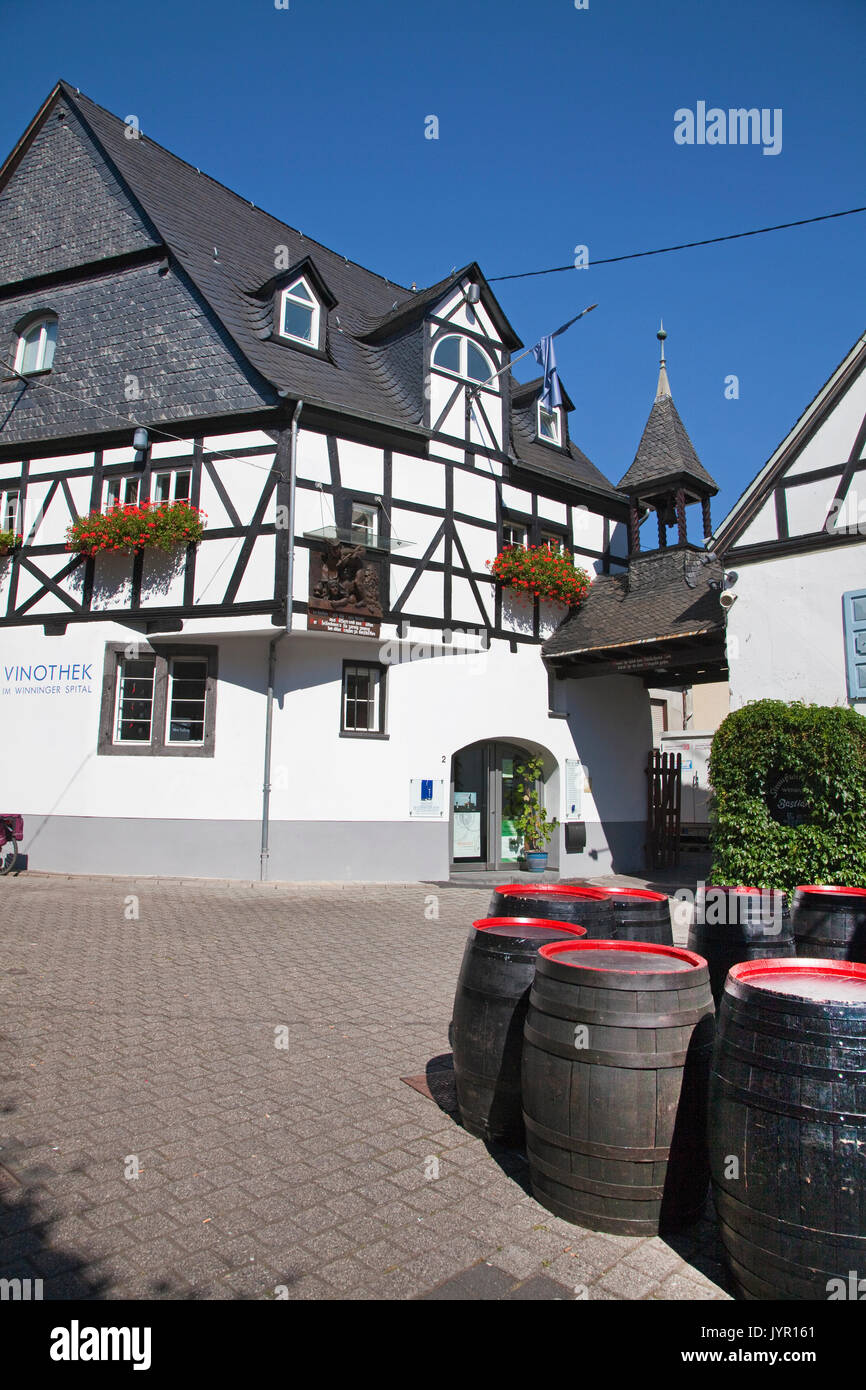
{"x":664,"y":788}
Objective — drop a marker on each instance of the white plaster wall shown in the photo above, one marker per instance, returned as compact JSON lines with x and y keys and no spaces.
{"x":785,"y":636}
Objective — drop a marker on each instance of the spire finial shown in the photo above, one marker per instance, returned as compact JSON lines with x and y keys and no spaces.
{"x":663,"y":388}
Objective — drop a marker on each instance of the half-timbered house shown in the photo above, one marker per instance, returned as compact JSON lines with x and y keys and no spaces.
{"x":793,"y":546}
{"x":330,"y":685}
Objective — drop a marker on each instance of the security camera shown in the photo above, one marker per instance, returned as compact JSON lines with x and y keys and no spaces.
{"x":731,"y":578}
{"x":727,"y":599}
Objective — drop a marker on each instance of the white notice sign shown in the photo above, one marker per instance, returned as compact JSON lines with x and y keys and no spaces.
{"x":574,"y":776}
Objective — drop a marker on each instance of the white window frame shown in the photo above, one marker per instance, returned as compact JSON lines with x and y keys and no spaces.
{"x":10,"y":503}
{"x":24,"y":337}
{"x":376,"y":704}
{"x":509,"y":525}
{"x":315,"y":309}
{"x":173,"y":475}
{"x":185,"y":742}
{"x":561,"y":542}
{"x":118,"y":703}
{"x":122,"y":484}
{"x":370,"y":509}
{"x":462,"y":374}
{"x":554,"y":416}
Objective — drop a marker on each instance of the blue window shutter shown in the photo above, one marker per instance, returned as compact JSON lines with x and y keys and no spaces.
{"x":854,"y":620}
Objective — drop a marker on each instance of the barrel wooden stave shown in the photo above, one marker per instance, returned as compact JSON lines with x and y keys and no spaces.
{"x":588,"y":909}
{"x":580,"y":1107}
{"x":830,"y":923}
{"x":486,"y":1032}
{"x":788,"y":1102}
{"x":611,"y":914}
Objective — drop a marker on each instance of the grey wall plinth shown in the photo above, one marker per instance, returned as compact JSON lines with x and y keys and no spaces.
{"x":303,"y":851}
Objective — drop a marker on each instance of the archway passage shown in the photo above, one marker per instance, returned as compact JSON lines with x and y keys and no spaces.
{"x":482,"y":807}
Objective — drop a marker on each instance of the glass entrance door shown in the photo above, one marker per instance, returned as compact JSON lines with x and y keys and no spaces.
{"x":470,"y":811}
{"x":483,"y":807}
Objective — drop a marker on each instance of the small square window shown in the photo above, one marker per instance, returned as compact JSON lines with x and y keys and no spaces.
{"x":363,"y":698}
{"x":300,"y":314}
{"x":172,"y":487}
{"x":554,"y":541}
{"x":121,"y":492}
{"x":365,"y":523}
{"x":10,"y":506}
{"x":548,"y":424}
{"x":513,"y":533}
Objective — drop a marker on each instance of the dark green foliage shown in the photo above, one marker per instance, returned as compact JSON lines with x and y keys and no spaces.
{"x":823,"y":750}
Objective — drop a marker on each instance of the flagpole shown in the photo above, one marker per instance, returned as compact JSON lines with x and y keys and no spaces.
{"x":481,"y":384}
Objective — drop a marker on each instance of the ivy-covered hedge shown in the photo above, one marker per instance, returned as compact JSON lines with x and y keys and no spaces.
{"x":820,"y":751}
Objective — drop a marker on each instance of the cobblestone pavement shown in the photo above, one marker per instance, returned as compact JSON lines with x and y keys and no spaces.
{"x":244,"y":1044}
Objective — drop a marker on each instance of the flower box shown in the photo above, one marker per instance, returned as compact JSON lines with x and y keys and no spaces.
{"x":132,"y":528}
{"x":535,"y":571}
{"x":9,"y":540}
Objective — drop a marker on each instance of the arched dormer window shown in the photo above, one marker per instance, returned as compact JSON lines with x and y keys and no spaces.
{"x":460,"y":356}
{"x":37,"y":340}
{"x":300,"y":313}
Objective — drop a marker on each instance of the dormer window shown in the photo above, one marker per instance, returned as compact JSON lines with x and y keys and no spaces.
{"x":549,"y":425}
{"x":300,"y":314}
{"x":460,"y":356}
{"x":36,"y":344}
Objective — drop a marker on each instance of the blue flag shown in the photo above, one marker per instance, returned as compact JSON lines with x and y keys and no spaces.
{"x":551,"y":396}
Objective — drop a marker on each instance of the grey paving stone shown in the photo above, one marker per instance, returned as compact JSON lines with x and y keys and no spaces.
{"x":312,"y":1161}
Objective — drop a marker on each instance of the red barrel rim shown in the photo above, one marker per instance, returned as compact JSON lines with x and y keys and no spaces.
{"x":748,"y":972}
{"x":572,"y":928}
{"x":649,"y":948}
{"x":647,"y":893}
{"x":553,"y":890}
{"x":839,"y":888}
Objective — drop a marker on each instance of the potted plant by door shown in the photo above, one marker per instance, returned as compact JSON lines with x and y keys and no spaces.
{"x":530,"y":819}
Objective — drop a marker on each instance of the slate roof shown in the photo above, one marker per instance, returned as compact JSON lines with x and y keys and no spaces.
{"x":194,"y":213}
{"x":664,"y":595}
{"x":665,"y":452}
{"x":568,"y":465}
{"x":372,"y":365}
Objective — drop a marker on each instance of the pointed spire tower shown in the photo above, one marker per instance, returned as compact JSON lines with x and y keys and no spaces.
{"x":666,"y":474}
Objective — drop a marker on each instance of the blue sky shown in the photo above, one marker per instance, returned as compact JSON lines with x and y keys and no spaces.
{"x":556,"y":129}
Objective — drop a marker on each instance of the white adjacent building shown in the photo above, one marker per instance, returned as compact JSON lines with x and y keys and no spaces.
{"x":795,"y":550}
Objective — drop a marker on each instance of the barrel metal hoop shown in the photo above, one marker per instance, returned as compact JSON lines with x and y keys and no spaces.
{"x":598,"y":1189}
{"x":772,"y":1030}
{"x":583,"y":1146}
{"x":621,"y":1020}
{"x":487,"y":994}
{"x":752,"y":1217}
{"x":464,"y":1074}
{"x":783,"y":1064}
{"x":809,"y":1113}
{"x":622,"y":979}
{"x":640,"y":1061}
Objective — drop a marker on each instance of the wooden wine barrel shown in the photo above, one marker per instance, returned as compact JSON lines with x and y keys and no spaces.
{"x":787,"y":1127}
{"x":487,"y":1026}
{"x":734,"y":924}
{"x":639,"y":914}
{"x":616,"y":1056}
{"x":586,"y":907}
{"x":830,"y":921}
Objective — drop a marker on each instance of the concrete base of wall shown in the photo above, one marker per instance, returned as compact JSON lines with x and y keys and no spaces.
{"x":300,"y":851}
